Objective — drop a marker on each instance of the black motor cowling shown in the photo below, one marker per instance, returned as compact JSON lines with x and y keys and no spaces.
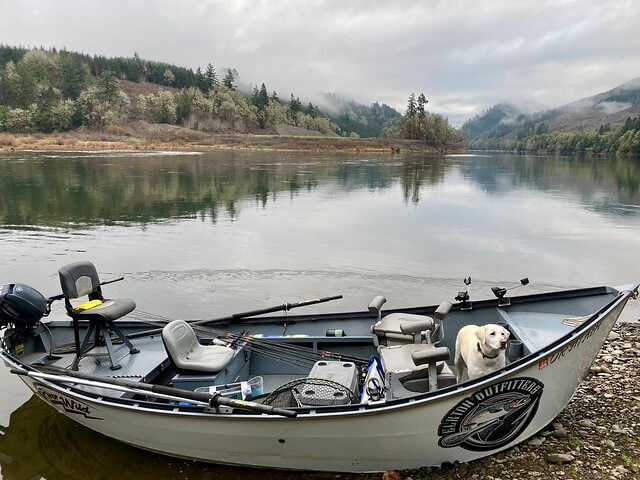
{"x":21,"y":306}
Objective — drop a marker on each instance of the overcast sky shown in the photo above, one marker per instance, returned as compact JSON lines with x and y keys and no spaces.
{"x":464,"y":55}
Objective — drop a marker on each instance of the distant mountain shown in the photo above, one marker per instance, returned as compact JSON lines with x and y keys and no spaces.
{"x":354,"y":117}
{"x":494,"y":122}
{"x":506,"y":120}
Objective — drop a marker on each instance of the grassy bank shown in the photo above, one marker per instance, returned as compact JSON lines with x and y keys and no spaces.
{"x":141,"y":136}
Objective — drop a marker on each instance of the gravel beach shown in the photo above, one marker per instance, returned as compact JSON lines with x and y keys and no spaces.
{"x":595,"y":437}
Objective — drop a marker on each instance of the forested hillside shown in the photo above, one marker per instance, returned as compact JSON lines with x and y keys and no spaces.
{"x":56,"y":91}
{"x":606,"y":122}
{"x":59,"y":90}
{"x":364,"y":121}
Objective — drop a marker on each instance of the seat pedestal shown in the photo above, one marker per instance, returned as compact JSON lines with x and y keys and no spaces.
{"x":97,"y":329}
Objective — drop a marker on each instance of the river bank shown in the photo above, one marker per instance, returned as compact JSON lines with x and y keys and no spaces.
{"x":152,"y":137}
{"x":594,"y":437}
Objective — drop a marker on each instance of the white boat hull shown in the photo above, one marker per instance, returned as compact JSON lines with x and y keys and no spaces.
{"x":478,"y":419}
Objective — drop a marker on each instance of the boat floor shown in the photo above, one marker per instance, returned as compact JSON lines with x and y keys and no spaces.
{"x":135,"y":367}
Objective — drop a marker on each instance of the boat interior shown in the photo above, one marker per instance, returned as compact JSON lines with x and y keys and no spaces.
{"x":306,"y":361}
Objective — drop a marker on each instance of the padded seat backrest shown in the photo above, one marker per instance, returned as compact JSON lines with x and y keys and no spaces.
{"x":79,"y":279}
{"x":179,"y":339}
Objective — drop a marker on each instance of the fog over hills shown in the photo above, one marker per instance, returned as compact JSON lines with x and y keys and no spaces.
{"x":611,"y":107}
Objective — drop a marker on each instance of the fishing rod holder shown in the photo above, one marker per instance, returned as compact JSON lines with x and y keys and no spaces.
{"x":500,"y":292}
{"x":464,"y":297}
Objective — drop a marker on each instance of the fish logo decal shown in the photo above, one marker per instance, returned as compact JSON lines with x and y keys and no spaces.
{"x":491,"y":417}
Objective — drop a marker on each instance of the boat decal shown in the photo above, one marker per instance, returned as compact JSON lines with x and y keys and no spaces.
{"x":69,"y":405}
{"x":491,"y":417}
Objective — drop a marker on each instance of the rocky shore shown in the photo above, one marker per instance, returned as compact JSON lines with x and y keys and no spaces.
{"x":597,"y":436}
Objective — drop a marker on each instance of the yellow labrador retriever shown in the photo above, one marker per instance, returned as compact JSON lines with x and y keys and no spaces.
{"x":479,"y":350}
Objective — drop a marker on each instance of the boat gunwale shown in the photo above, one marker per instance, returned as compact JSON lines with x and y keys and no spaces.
{"x":359,"y":409}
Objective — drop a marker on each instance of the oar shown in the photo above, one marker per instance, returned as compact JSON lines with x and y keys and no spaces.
{"x":250,"y":313}
{"x":213,"y":399}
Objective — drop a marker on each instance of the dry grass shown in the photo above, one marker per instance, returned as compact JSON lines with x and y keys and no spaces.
{"x":7,"y":140}
{"x":137,"y":136}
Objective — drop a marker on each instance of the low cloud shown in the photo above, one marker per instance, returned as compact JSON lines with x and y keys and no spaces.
{"x":464,"y":55}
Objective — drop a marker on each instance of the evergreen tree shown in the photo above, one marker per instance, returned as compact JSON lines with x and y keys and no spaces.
{"x":411,"y":106}
{"x":228,"y":80}
{"x":210,"y":75}
{"x":71,"y":75}
{"x":422,"y":101}
{"x":201,"y":81}
{"x":295,"y":106}
{"x":263,"y":98}
{"x":274,"y":97}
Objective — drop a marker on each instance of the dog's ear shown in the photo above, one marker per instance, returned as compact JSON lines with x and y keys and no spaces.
{"x":481,"y":333}
{"x":506,"y":332}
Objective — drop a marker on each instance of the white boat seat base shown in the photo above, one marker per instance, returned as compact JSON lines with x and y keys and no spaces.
{"x":415,"y":368}
{"x":186,"y":352}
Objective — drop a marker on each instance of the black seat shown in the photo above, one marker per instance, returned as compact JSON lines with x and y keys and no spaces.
{"x":81,"y":279}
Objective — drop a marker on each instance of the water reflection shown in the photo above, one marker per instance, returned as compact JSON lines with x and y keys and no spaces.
{"x":41,"y":443}
{"x":607,"y":184}
{"x":206,"y":235}
{"x":79,"y":190}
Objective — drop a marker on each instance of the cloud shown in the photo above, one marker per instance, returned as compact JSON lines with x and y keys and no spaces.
{"x":464,"y":55}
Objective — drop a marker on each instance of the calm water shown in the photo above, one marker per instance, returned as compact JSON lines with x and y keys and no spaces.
{"x":202,"y":235}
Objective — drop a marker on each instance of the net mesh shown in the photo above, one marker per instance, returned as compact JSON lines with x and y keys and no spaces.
{"x":310,"y":392}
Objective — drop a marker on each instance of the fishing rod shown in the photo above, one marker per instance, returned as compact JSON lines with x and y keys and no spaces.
{"x":212,"y":399}
{"x":250,"y":313}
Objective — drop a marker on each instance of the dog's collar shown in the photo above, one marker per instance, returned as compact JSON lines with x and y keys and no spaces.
{"x":484,"y":355}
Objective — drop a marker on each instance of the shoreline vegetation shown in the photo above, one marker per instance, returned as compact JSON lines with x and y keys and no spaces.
{"x":162,"y":139}
{"x":58,"y":100}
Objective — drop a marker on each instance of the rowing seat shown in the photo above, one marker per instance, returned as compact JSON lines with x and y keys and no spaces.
{"x":415,"y":368}
{"x":406,"y":328}
{"x":186,"y":352}
{"x":81,"y":279}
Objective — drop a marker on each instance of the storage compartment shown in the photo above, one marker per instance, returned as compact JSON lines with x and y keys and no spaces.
{"x":343,"y":373}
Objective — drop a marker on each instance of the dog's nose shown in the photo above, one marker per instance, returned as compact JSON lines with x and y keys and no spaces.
{"x":503,"y":342}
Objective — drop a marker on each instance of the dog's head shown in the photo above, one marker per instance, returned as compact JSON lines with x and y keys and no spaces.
{"x":493,"y":336}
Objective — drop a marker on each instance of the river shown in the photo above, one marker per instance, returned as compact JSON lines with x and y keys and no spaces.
{"x":202,"y":235}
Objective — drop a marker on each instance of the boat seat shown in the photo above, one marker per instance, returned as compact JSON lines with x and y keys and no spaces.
{"x":81,"y":279}
{"x":186,"y":352}
{"x":415,"y":368}
{"x":107,"y":309}
{"x":407,"y":328}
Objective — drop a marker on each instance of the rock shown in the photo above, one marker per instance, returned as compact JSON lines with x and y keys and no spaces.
{"x":613,"y":336}
{"x":560,"y":458}
{"x":561,"y":433}
{"x":617,"y":429}
{"x":557,"y":426}
{"x":536,"y":441}
{"x":595,"y":369}
{"x":586,"y":423}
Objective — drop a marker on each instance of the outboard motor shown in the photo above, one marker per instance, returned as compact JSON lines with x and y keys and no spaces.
{"x":21,"y":307}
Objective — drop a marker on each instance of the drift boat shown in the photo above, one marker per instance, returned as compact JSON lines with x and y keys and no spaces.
{"x":357,"y":391}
